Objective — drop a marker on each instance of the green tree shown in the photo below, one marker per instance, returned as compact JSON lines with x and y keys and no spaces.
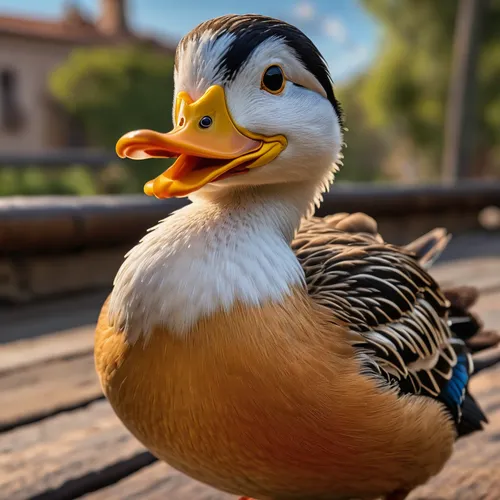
{"x":114,"y":90}
{"x":365,"y":145}
{"x":406,"y":90}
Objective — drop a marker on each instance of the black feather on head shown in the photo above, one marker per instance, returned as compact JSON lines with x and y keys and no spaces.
{"x":250,"y":31}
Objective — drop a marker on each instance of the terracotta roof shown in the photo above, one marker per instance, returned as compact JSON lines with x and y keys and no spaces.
{"x":73,"y":29}
{"x":47,"y":28}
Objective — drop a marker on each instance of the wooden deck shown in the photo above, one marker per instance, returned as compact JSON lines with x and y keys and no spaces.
{"x":60,"y":440}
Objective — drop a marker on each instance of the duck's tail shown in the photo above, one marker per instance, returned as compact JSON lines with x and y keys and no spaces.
{"x":464,"y":324}
{"x":467,"y":326}
{"x":430,"y":246}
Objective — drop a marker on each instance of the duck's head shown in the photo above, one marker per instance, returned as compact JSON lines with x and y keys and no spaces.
{"x":254,"y":105}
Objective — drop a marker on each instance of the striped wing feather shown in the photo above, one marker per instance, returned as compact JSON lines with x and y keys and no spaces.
{"x":383,"y":292}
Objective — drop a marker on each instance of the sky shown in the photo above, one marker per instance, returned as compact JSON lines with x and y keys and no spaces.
{"x":345,"y":34}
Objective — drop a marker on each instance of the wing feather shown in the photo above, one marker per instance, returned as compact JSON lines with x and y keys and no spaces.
{"x":384,"y":294}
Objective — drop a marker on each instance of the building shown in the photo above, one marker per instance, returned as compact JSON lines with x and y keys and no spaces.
{"x":30,"y":122}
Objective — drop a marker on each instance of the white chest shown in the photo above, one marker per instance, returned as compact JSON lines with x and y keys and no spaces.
{"x":197,"y":262}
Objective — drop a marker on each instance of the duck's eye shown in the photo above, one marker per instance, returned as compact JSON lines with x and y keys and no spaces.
{"x":273,"y":80}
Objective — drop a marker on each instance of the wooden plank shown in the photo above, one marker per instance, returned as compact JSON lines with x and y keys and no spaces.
{"x":488,"y":310}
{"x":44,"y":375}
{"x":68,"y":343}
{"x":44,"y":317}
{"x":68,"y":455}
{"x":45,"y":389}
{"x":158,"y":482}
{"x":478,"y":272}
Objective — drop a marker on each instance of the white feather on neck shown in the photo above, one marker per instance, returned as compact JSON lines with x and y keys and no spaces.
{"x":209,"y":255}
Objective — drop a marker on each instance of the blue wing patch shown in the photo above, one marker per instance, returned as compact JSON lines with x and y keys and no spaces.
{"x":453,"y":392}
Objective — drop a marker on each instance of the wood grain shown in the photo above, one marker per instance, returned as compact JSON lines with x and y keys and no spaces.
{"x":68,"y":455}
{"x":478,"y":272}
{"x":50,"y":317}
{"x":43,"y":389}
{"x":27,"y":352}
{"x":158,"y":482}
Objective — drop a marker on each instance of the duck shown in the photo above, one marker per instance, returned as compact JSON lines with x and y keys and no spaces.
{"x":260,"y":349}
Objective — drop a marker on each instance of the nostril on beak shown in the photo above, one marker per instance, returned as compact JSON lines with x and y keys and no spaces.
{"x":181,"y":121}
{"x":205,"y":122}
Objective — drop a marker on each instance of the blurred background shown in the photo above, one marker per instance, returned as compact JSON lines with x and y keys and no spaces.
{"x":419,"y":81}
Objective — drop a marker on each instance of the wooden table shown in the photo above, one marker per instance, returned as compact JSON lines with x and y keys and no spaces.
{"x":60,"y":440}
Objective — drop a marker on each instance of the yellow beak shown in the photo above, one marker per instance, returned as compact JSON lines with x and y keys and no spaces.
{"x":208,"y":146}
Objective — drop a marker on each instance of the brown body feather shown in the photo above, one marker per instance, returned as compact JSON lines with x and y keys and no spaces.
{"x":270,"y":402}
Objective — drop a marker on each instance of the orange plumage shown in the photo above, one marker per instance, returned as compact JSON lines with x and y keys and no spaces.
{"x":270,"y":400}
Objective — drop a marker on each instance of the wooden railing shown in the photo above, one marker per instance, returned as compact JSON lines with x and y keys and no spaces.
{"x":59,"y":244}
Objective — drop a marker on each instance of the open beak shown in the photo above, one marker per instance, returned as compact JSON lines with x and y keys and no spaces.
{"x":208,"y":146}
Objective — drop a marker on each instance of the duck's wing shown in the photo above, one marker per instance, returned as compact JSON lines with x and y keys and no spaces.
{"x":414,"y":335}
